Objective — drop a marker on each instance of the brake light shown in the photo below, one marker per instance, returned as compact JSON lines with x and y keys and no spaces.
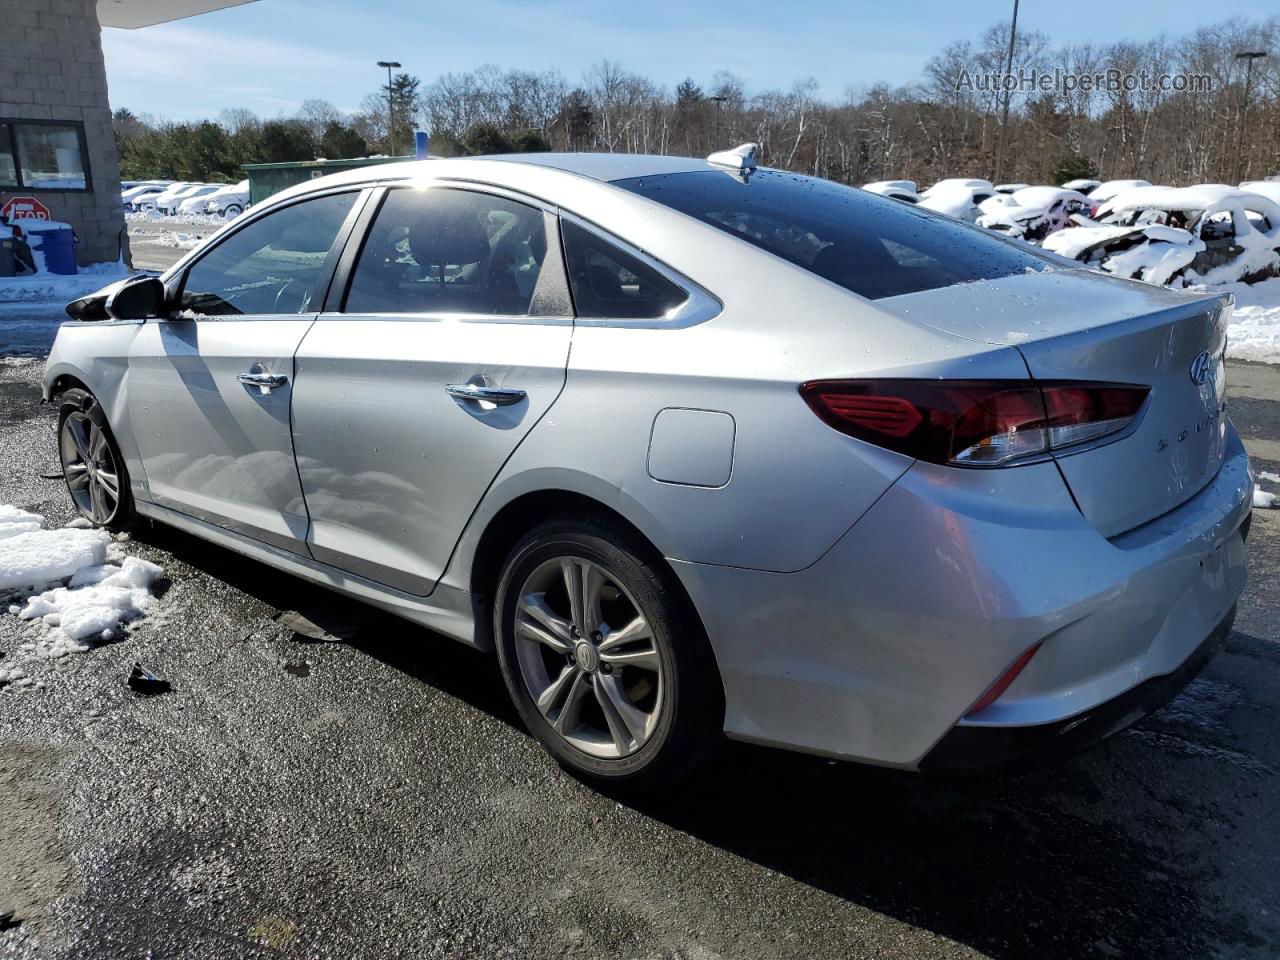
{"x":974,"y":423}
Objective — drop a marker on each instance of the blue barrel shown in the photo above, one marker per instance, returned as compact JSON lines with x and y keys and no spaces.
{"x":58,"y":245}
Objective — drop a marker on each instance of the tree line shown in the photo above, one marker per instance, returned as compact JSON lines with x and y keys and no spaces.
{"x":946,"y":124}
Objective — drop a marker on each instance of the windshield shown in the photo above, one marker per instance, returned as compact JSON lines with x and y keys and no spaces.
{"x":871,"y":245}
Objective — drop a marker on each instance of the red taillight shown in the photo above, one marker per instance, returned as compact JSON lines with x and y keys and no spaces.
{"x":974,"y":423}
{"x":1002,"y":684}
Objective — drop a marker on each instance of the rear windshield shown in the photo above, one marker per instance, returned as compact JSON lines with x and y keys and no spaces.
{"x":874,"y":246}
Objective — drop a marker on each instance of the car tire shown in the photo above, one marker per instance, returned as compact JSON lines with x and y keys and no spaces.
{"x":92,"y":466}
{"x":632,"y":712}
{"x":232,"y":211}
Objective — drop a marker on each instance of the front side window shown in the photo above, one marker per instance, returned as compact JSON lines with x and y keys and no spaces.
{"x":445,"y":251}
{"x":42,"y":156}
{"x":274,"y":265}
{"x":867,"y":244}
{"x":609,"y":283}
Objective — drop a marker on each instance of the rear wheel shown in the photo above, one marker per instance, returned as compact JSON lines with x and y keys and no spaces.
{"x":92,"y":465}
{"x":603,"y":659}
{"x":232,"y":211}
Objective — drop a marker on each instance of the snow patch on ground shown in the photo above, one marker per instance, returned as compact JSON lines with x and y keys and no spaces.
{"x":182,"y":241}
{"x":75,"y":585}
{"x":52,"y":287}
{"x":155,"y":216}
{"x":1263,"y":498}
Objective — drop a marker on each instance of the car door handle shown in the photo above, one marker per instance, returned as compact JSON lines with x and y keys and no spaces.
{"x":501,"y":396}
{"x":267,"y":381}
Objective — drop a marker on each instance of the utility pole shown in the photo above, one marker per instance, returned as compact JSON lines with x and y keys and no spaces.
{"x":717,"y":101}
{"x":391,"y":112}
{"x":1248,"y":56}
{"x":1008,"y":93}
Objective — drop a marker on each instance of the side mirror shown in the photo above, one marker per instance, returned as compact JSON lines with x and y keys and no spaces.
{"x":137,"y":300}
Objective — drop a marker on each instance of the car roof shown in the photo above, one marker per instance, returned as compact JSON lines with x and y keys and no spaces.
{"x":552,"y":177}
{"x":606,"y":166}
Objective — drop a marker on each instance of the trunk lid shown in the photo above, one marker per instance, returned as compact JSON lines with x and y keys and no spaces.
{"x":1075,"y":325}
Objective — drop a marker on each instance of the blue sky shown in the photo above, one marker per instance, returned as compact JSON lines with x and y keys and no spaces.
{"x":271,"y":55}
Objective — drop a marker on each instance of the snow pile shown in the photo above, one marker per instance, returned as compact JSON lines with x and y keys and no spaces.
{"x":95,"y":601}
{"x":14,"y":521}
{"x":74,"y":583}
{"x":37,"y":557}
{"x":50,"y":287}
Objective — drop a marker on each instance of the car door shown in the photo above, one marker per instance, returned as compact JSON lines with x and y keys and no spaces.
{"x":210,"y":386}
{"x":450,"y":342}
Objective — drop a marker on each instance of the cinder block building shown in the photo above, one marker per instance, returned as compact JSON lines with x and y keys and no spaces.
{"x":57,"y":150}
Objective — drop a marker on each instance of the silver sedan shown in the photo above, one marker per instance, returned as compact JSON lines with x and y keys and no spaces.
{"x":698,"y":448}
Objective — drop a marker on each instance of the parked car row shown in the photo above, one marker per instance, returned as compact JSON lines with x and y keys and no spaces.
{"x":170,"y":198}
{"x":1177,"y":236}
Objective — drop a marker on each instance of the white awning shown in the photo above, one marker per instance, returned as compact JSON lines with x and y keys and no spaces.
{"x":145,"y":13}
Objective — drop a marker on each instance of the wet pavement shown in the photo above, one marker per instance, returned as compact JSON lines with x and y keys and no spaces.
{"x":371,"y":794}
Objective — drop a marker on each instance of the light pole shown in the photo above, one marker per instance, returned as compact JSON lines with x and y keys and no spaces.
{"x":717,"y":101}
{"x":1004,"y":111}
{"x":391,"y":113}
{"x":1248,"y":56}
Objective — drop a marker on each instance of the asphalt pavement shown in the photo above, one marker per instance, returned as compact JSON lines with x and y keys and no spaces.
{"x":362,"y":789}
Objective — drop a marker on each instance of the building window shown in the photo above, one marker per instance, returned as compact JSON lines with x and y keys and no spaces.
{"x":40,"y":155}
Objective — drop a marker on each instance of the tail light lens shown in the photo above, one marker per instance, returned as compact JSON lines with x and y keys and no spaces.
{"x":974,"y":423}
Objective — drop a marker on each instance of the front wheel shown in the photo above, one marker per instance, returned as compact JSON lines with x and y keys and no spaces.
{"x":92,"y":465}
{"x":605,"y":662}
{"x":232,"y":211}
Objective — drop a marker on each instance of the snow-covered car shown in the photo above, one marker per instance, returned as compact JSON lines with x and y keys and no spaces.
{"x":133,"y":198}
{"x":229,"y":201}
{"x":167,"y":200}
{"x":1084,"y":185}
{"x":1110,"y":188}
{"x":1266,"y":188}
{"x":959,"y":198}
{"x":904,"y":190}
{"x":171,"y":205}
{"x":1010,"y":187}
{"x":1032,"y":213}
{"x":1210,"y":234}
{"x":152,"y":201}
{"x":1149,"y":252}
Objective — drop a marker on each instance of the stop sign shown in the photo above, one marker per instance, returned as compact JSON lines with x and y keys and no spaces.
{"x":24,"y":208}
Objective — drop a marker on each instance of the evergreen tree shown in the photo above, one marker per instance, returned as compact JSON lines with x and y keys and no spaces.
{"x":341,"y":142}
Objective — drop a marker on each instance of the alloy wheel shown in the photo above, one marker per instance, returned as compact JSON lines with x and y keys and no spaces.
{"x":588,"y":657}
{"x":90,"y":467}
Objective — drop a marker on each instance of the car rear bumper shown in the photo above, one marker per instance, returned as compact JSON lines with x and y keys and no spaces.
{"x":969,"y":749}
{"x":882,"y":648}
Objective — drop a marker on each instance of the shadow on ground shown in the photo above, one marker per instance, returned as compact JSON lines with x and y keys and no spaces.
{"x":1012,"y":866}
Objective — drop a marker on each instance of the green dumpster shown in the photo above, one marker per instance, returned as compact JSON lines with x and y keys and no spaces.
{"x":268,"y":178}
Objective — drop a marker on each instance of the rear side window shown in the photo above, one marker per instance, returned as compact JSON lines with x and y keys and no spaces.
{"x":445,"y":251}
{"x":871,"y":245}
{"x":273,"y":265}
{"x":609,"y":283}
